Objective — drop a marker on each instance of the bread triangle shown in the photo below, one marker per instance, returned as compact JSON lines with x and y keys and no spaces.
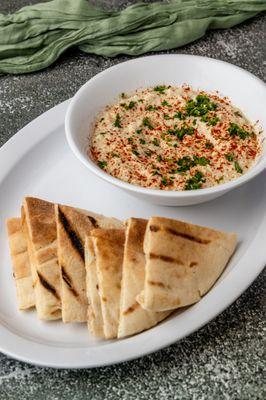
{"x":38,"y":219}
{"x":133,"y":318}
{"x":183,"y":261}
{"x":95,"y":316}
{"x":73,"y":225}
{"x":21,"y":264}
{"x":109,"y":248}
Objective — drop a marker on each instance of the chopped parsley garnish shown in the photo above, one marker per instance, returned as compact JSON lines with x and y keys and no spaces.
{"x":164,"y":181}
{"x":142,"y":141}
{"x":160,"y":89}
{"x":138,"y":131}
{"x":165,"y":103}
{"x":201,"y":161}
{"x":209,"y":145}
{"x":187,"y":162}
{"x":204,"y":118}
{"x":195,"y":182}
{"x":229,"y":157}
{"x":213,"y":121}
{"x":148,"y":153}
{"x":238,"y":168}
{"x":166,"y":116}
{"x":236,"y":130}
{"x":117,"y":122}
{"x":130,"y":139}
{"x":180,"y":133}
{"x":123,"y":96}
{"x":155,"y":142}
{"x":146,"y":122}
{"x":128,"y":106}
{"x":135,"y":152}
{"x":179,"y":115}
{"x":151,"y":108}
{"x":131,"y":104}
{"x":200,"y":106}
{"x":159,"y":158}
{"x":102,"y":164}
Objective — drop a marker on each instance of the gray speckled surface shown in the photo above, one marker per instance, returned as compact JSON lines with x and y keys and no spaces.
{"x":225,"y":359}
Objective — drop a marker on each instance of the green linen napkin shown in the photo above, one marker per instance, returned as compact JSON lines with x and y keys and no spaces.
{"x":35,"y":36}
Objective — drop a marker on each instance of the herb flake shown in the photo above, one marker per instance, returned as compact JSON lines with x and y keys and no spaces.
{"x":117,"y":122}
{"x":146,"y":122}
{"x":102,"y":164}
{"x":236,"y":130}
{"x":195,"y":182}
{"x":160,"y":89}
{"x":201,"y":106}
{"x":238,"y":168}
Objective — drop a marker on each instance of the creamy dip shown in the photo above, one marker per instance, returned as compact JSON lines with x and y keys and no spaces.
{"x":174,"y":138}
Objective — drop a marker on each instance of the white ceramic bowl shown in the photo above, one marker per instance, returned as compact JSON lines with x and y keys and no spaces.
{"x":244,"y":89}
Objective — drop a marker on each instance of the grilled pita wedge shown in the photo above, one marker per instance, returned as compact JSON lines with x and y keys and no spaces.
{"x":95,"y":316}
{"x":133,"y":318}
{"x":109,"y":248}
{"x":183,"y":261}
{"x":73,"y":225}
{"x":38,"y":219}
{"x":21,"y":264}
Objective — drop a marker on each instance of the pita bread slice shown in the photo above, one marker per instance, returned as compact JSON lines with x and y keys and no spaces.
{"x":133,"y":318}
{"x":21,"y":264}
{"x":38,"y":219}
{"x":183,"y":261}
{"x":73,"y":225}
{"x":109,"y":248}
{"x":95,"y":317}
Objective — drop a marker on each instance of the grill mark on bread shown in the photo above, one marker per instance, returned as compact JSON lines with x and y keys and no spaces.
{"x":187,"y":236}
{"x":93,"y":221}
{"x":165,"y":258}
{"x":193,"y":264}
{"x":159,"y":284}
{"x":48,"y":286}
{"x":154,"y":228}
{"x":73,"y":236}
{"x":20,"y":252}
{"x":131,"y":309}
{"x":68,"y":281}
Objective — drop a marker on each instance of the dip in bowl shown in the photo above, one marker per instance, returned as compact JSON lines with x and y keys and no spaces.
{"x":174,"y":138}
{"x":170,"y":138}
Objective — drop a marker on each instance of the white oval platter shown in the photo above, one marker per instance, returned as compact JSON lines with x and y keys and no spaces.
{"x":38,"y":162}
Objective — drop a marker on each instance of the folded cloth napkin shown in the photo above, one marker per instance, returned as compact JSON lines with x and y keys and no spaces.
{"x":35,"y":36}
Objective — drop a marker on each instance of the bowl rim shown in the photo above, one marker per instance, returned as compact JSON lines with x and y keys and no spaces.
{"x":87,"y":161}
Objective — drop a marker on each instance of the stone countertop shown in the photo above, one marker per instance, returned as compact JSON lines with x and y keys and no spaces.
{"x":223,"y":360}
